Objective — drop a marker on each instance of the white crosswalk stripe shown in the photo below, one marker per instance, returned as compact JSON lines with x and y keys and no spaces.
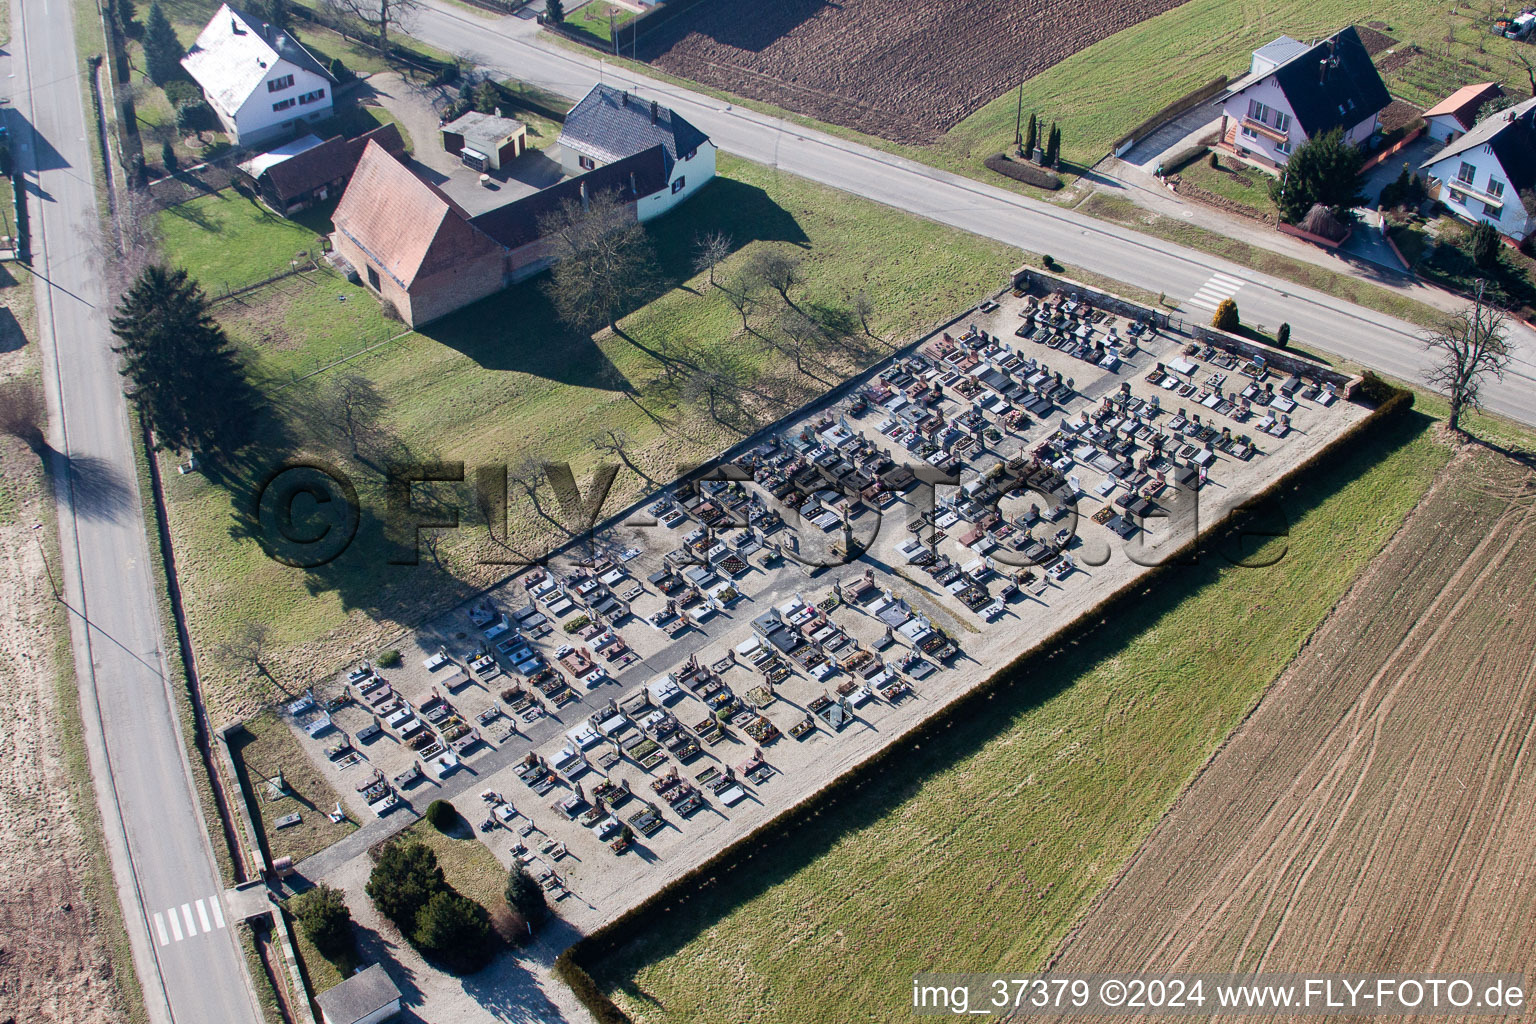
{"x":182,"y":923}
{"x":1219,"y":287}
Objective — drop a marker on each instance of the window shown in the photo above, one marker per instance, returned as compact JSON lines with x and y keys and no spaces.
{"x":1283,"y":147}
{"x":690,"y":154}
{"x":1249,"y":133}
{"x":279,"y":84}
{"x":1282,"y":121}
{"x":678,"y":185}
{"x":312,"y":97}
{"x":1495,"y":188}
{"x":586,"y":162}
{"x":373,"y":279}
{"x":1466,"y":173}
{"x":284,"y":104}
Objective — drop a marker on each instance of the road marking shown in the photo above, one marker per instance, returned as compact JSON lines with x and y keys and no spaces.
{"x":160,"y":927}
{"x":1219,"y":287}
{"x":175,"y":925}
{"x":202,"y":915}
{"x":218,"y":914}
{"x":186,"y":912}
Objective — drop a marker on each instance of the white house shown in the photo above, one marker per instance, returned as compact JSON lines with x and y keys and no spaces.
{"x":257,"y":77}
{"x":1455,"y":115}
{"x":1489,"y":173}
{"x":610,"y":125}
{"x":1294,"y":92}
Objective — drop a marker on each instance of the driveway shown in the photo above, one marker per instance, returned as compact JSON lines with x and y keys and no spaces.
{"x":419,"y":109}
{"x":1386,"y":172}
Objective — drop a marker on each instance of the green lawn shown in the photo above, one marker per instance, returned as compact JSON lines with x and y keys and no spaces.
{"x":592,"y":18}
{"x":262,"y":750}
{"x":1231,"y":179}
{"x":981,"y":852}
{"x":451,"y":388}
{"x":227,"y":239}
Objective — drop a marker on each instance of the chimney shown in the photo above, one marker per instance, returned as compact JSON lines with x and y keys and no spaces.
{"x":655,"y":110}
{"x":1322,"y":71}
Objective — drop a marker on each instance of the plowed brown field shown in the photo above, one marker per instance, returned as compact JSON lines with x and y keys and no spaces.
{"x":1377,"y":811}
{"x":906,"y":70}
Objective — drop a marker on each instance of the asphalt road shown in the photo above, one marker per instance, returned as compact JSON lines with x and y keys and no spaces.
{"x":188,"y":957}
{"x":513,"y":47}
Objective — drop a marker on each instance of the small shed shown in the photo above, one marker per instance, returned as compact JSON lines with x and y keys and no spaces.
{"x":485,"y":141}
{"x":365,"y":998}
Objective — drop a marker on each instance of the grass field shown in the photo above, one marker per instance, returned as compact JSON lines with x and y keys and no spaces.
{"x":981,"y":852}
{"x":264,"y":748}
{"x":1372,"y":774}
{"x":232,"y":240}
{"x":1231,"y":180}
{"x":449,"y":389}
{"x":592,"y":18}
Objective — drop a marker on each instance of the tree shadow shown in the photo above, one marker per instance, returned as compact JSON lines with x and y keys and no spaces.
{"x":96,"y":490}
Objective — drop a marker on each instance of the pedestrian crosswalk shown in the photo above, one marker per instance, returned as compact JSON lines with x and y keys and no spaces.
{"x":177,"y":923}
{"x":1220,"y":286}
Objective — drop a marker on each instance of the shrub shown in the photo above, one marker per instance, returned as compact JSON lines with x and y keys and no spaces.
{"x":388,"y":659}
{"x":1225,"y":317}
{"x":580,"y":622}
{"x":1483,"y":245}
{"x":1048,"y":262}
{"x":403,"y":880}
{"x":1215,"y":163}
{"x":168,"y":155}
{"x":442,"y":815}
{"x":554,"y":10}
{"x":526,"y":896}
{"x":326,"y":921}
{"x":181,"y":92}
{"x":1283,"y":336}
{"x":1020,"y":170}
{"x":456,"y":929}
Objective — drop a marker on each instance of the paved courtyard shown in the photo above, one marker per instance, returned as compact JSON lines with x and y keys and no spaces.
{"x":739,"y":644}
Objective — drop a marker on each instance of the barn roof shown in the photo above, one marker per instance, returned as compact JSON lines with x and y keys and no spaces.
{"x":517,"y":223}
{"x":334,"y":158}
{"x":409,"y":227}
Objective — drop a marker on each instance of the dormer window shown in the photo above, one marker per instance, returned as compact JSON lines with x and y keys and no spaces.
{"x":279,"y":84}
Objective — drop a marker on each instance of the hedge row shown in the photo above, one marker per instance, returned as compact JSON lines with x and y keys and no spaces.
{"x":1023,"y":170}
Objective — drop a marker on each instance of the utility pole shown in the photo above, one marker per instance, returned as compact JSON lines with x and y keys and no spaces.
{"x":613,"y":32}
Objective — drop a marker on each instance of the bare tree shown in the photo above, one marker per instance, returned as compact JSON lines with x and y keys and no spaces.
{"x":709,"y":251}
{"x":800,"y":336}
{"x":23,"y":412}
{"x":617,"y":442}
{"x":377,"y":16}
{"x":742,"y":299}
{"x":247,"y":647}
{"x":1471,"y":345}
{"x":350,"y":405}
{"x":864,"y":308}
{"x":776,"y":269}
{"x":604,"y":264}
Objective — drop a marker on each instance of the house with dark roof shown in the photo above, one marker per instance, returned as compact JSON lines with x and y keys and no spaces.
{"x":1457,"y":113}
{"x":611,"y":124}
{"x":257,"y":78}
{"x":1488,"y":175}
{"x":1294,"y":92}
{"x":294,"y":177}
{"x":425,"y":255}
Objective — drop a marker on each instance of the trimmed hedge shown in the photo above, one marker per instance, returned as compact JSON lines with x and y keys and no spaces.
{"x":1023,"y":170}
